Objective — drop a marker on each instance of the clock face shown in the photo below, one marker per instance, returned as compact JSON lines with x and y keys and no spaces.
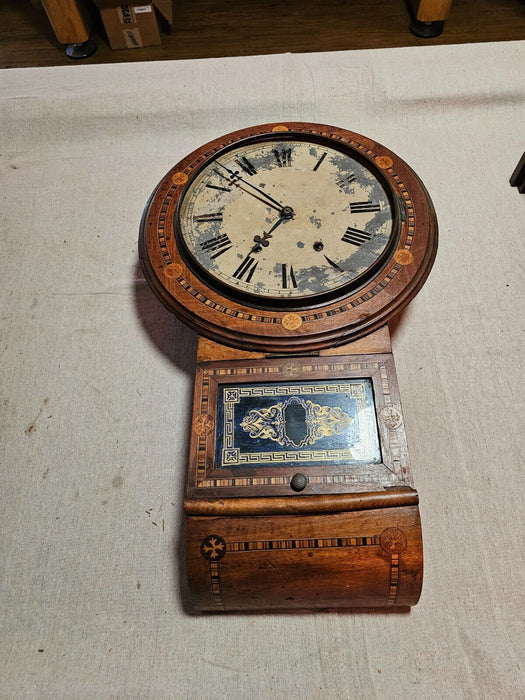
{"x":286,"y":219}
{"x":288,"y":238}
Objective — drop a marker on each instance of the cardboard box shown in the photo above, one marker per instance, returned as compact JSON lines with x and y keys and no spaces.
{"x":129,"y":26}
{"x":165,"y":7}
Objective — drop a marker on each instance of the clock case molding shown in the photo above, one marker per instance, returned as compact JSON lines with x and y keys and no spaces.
{"x":349,"y":536}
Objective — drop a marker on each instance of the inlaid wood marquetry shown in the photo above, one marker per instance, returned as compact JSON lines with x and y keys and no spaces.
{"x":288,"y":237}
{"x":345,"y":545}
{"x":214,"y":548}
{"x":224,"y":461}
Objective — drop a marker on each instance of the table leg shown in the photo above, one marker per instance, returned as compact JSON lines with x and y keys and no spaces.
{"x":428,"y":17}
{"x":71,"y":24}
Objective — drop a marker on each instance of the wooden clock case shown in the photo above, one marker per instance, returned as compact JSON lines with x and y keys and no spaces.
{"x":351,"y":537}
{"x":288,"y":521}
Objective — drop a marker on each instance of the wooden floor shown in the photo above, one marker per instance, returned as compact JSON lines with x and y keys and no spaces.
{"x":211,"y":28}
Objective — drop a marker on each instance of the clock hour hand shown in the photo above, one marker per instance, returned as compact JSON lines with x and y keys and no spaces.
{"x":261,"y":241}
{"x":235,"y":179}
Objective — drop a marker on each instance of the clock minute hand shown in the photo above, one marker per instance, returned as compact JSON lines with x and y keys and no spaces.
{"x":237,"y":178}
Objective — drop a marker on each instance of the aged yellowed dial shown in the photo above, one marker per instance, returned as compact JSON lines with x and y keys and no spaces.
{"x":286,"y":218}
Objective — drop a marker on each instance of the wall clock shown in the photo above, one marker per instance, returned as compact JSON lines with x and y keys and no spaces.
{"x":288,"y":247}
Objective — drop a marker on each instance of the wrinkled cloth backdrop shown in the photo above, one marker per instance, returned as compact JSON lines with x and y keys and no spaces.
{"x":97,"y":383}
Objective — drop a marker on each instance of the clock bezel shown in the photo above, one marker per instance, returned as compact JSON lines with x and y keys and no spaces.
{"x":230,"y":320}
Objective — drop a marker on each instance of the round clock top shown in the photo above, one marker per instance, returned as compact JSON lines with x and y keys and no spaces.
{"x":288,"y":237}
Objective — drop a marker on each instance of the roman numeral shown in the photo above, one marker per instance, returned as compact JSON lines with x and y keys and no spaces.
{"x":247,"y":165}
{"x":346,"y":180}
{"x":356,"y":236}
{"x":213,"y":216}
{"x":217,"y":246}
{"x":247,"y":267}
{"x":218,"y":187}
{"x":288,"y":277}
{"x":357,"y":207}
{"x":283,"y":157}
{"x":319,"y":161}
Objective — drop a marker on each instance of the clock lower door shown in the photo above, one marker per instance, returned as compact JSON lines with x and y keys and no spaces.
{"x":299,"y":492}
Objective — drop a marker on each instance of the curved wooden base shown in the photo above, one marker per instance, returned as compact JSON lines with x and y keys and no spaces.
{"x":366,"y":558}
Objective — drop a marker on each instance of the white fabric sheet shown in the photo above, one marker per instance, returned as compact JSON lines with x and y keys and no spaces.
{"x":97,"y":382}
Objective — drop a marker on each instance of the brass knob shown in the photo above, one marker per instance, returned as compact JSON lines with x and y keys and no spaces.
{"x":299,"y":482}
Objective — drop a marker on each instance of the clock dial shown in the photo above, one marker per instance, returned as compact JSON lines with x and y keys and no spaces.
{"x":286,"y":219}
{"x":288,"y":237}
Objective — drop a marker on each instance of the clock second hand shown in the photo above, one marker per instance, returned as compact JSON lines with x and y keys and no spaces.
{"x":270,"y":200}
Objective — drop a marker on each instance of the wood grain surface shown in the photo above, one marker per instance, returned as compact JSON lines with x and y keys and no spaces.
{"x":203,"y":29}
{"x":69,"y":19}
{"x":368,"y":558}
{"x":432,"y":10}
